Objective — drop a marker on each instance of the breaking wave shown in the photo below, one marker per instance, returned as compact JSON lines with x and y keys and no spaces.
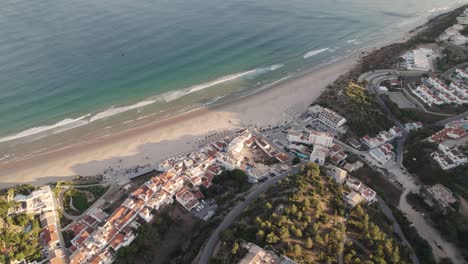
{"x":314,"y":52}
{"x":173,"y":95}
{"x":69,"y":123}
{"x":35,"y":130}
{"x":117,"y":110}
{"x":437,"y":9}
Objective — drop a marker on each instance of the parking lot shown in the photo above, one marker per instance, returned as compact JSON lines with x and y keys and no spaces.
{"x":205,"y":209}
{"x":400,"y":100}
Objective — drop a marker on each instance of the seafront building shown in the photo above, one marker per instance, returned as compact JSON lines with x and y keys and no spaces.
{"x":97,"y":237}
{"x":331,"y":119}
{"x":326,"y":117}
{"x":41,"y":202}
{"x":452,"y":34}
{"x":36,"y":202}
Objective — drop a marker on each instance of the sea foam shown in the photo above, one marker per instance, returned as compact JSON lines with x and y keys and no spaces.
{"x":35,"y":130}
{"x":314,"y":52}
{"x":437,"y":9}
{"x":70,"y":123}
{"x":117,"y":110}
{"x":173,"y":95}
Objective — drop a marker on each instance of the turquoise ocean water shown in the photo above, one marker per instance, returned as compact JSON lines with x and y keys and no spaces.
{"x":77,"y":67}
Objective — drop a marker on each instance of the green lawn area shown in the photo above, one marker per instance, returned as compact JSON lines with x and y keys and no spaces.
{"x":97,"y":190}
{"x":78,"y":198}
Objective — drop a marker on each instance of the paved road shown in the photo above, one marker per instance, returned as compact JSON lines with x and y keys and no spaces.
{"x":99,"y":203}
{"x":424,"y":229}
{"x":450,"y":71}
{"x":418,"y":103}
{"x":429,"y":233}
{"x":397,"y":229}
{"x":209,"y":247}
{"x":373,"y":83}
{"x":453,"y":118}
{"x":60,"y":235}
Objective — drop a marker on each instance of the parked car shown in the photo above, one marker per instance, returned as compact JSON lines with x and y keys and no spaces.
{"x":438,"y":245}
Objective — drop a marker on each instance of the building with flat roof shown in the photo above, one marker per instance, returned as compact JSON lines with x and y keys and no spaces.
{"x":441,"y":194}
{"x":339,"y":175}
{"x":354,"y":143}
{"x":36,"y":202}
{"x":353,"y":199}
{"x":318,"y":155}
{"x":419,"y":59}
{"x":258,"y":255}
{"x":368,"y":194}
{"x":353,"y":184}
{"x":331,"y":119}
{"x":323,"y":139}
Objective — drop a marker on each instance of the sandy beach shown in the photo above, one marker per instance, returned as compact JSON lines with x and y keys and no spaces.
{"x":162,"y":139}
{"x":150,"y":143}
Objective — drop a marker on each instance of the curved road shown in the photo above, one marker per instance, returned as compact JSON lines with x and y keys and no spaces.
{"x":98,"y":203}
{"x":209,"y":247}
{"x":424,"y":229}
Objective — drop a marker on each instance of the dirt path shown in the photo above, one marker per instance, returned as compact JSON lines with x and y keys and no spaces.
{"x":463,"y":206}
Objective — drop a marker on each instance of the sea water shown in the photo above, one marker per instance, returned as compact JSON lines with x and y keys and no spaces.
{"x":73,"y":69}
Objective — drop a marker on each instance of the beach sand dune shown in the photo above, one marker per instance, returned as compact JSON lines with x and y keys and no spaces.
{"x":159,"y":140}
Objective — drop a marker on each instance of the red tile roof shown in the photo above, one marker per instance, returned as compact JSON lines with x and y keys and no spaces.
{"x":336,"y":148}
{"x":95,"y":260}
{"x":117,"y":240}
{"x":198,"y":195}
{"x":89,"y":220}
{"x":77,"y":228}
{"x":442,"y":135}
{"x":282,"y":157}
{"x":78,"y":258}
{"x":118,"y":213}
{"x":50,"y":234}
